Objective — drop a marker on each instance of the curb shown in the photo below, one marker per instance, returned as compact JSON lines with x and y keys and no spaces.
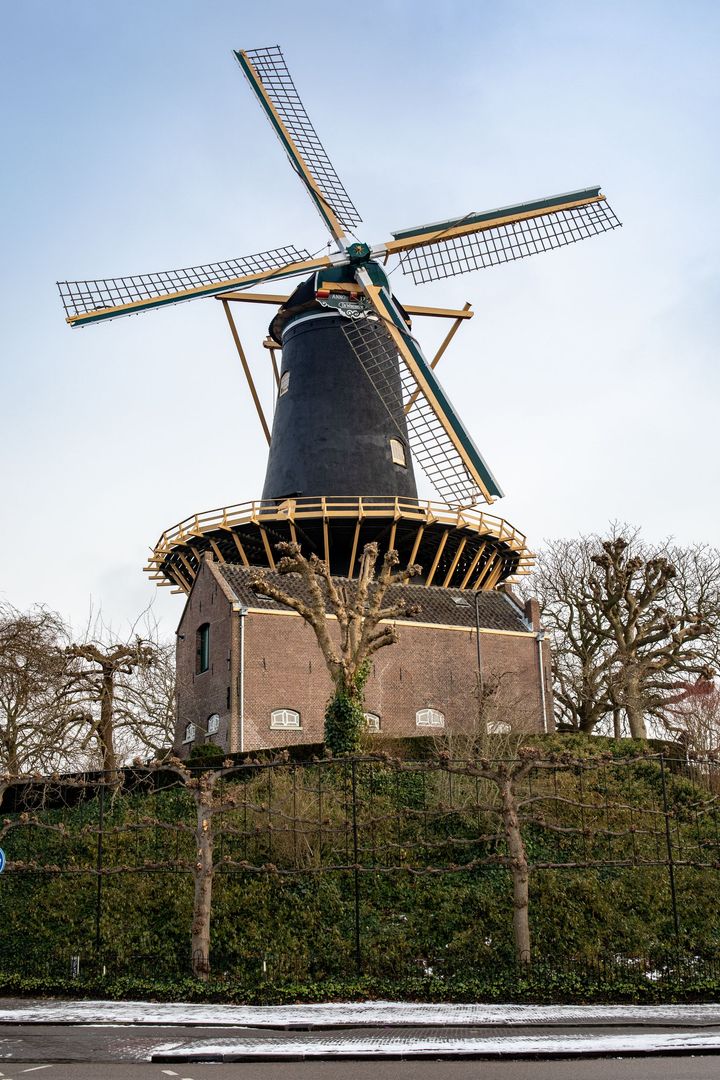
{"x":433,"y":1055}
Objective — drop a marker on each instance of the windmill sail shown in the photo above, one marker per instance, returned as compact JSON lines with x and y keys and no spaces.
{"x":476,"y":241}
{"x":272,"y":83}
{"x":394,"y":363}
{"x":106,"y":298}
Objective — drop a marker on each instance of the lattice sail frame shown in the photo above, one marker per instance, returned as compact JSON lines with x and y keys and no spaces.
{"x":442,"y":258}
{"x":269,"y":64}
{"x":430,"y":444}
{"x":84,"y":297}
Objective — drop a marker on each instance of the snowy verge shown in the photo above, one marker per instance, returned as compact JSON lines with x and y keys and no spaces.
{"x":353,"y":1014}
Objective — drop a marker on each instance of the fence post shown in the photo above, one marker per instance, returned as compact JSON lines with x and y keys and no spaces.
{"x":670,"y":862}
{"x":356,"y":873}
{"x":98,"y":867}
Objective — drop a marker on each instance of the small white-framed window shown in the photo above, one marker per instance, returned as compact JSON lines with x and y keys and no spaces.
{"x":460,"y":601}
{"x":284,"y":718}
{"x":397,"y":452}
{"x":498,"y":727}
{"x":284,"y":383}
{"x":429,"y":718}
{"x":213,"y":724}
{"x":372,"y":721}
{"x":189,"y":733}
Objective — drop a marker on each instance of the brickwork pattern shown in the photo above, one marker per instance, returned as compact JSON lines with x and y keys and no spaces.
{"x":430,"y":667}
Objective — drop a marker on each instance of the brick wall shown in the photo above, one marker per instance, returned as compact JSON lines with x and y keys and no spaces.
{"x":429,"y":667}
{"x":201,"y":695}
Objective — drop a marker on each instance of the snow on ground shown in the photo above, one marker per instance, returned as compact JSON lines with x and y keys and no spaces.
{"x":368,"y":1013}
{"x":446,"y":1045}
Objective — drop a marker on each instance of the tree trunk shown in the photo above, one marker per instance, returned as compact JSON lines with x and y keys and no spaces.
{"x":105,"y":727}
{"x":520,"y":873}
{"x":203,"y":877}
{"x":634,"y":705}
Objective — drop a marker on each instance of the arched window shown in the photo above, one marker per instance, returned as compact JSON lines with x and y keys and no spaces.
{"x":213,"y":724}
{"x":498,"y":727}
{"x":372,"y":721}
{"x":284,"y":718}
{"x":189,"y":733}
{"x":202,"y":648}
{"x":429,"y":718}
{"x":397,"y":452}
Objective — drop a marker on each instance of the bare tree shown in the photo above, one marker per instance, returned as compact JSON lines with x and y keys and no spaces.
{"x":631,"y":625}
{"x":363,"y":622}
{"x":32,"y":720}
{"x":121,"y":692}
{"x":693,"y":719}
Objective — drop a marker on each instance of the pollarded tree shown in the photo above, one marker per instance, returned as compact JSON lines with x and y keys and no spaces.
{"x":363,"y":621}
{"x":658,"y":619}
{"x":32,"y":663}
{"x":631,"y":625}
{"x":121,"y":692}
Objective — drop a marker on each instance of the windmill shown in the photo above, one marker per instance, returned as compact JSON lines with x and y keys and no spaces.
{"x":357,"y":402}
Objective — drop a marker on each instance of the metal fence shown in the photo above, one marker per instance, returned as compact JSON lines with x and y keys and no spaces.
{"x":327,"y":868}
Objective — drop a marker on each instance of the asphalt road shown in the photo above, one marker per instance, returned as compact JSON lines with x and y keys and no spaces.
{"x":675,"y":1068}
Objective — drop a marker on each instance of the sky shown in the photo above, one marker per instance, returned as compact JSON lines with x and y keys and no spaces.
{"x":588,"y":376}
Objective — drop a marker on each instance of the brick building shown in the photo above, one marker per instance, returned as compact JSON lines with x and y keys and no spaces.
{"x":251,"y":675}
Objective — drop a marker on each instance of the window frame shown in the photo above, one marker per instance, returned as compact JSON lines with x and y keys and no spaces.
{"x":187,"y":737}
{"x":274,"y":726}
{"x":213,"y":724}
{"x":284,"y":383}
{"x":202,"y":648}
{"x":367,"y":717}
{"x":428,"y":720}
{"x":398,"y":457}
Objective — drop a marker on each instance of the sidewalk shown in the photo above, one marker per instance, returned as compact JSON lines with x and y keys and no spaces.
{"x":383,"y":1030}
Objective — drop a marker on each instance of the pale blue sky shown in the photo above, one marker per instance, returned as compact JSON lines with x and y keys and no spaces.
{"x":588,"y":377}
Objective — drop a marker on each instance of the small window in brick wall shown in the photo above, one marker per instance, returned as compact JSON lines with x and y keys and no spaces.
{"x":213,"y":724}
{"x":284,"y":718}
{"x":429,"y":718}
{"x":372,"y":721}
{"x":202,"y":648}
{"x":498,"y":727}
{"x":189,"y":733}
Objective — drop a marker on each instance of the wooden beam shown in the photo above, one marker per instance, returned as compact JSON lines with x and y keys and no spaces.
{"x":346,"y":286}
{"x":485,"y":572}
{"x":276,"y":373}
{"x":255,"y":298}
{"x":416,"y":545}
{"x":266,"y":545}
{"x":436,"y":560}
{"x":495,"y":575}
{"x":241,"y":550}
{"x":473,"y":564}
{"x":440,"y":313}
{"x":218,"y":553}
{"x":456,"y":560}
{"x":246,"y":369}
{"x":353,"y":554}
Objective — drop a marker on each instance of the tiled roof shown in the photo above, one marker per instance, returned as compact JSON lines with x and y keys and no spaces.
{"x":451,"y":607}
